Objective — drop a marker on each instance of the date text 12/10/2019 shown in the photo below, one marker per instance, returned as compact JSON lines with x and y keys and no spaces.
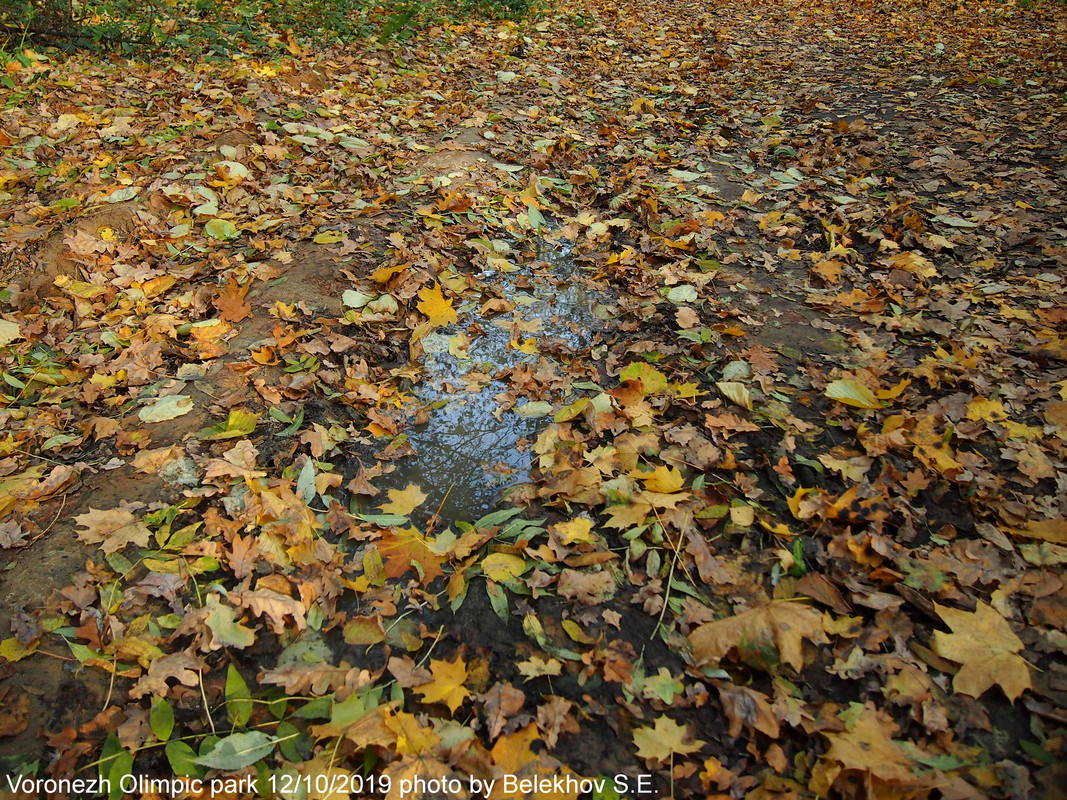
{"x":340,"y":783}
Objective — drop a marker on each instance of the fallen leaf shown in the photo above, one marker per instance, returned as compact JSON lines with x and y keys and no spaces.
{"x":866,"y":746}
{"x":403,"y":501}
{"x":781,"y":624}
{"x":666,"y":738}
{"x":535,"y":667}
{"x":405,"y":549}
{"x":231,"y":302}
{"x":9,"y":332}
{"x":221,"y":229}
{"x":169,"y":407}
{"x":447,"y":684}
{"x":14,"y":712}
{"x":988,"y":649}
{"x":112,"y":529}
{"x":588,"y":587}
{"x":238,"y":423}
{"x":436,"y":306}
{"x":852,"y":393}
{"x":1049,"y":530}
{"x":503,"y":566}
{"x":686,"y":317}
{"x":574,"y":531}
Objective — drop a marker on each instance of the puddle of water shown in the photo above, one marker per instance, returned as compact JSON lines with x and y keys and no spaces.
{"x":468,"y":452}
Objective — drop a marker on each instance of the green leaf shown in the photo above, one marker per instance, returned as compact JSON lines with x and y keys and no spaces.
{"x":684,"y":293}
{"x":238,"y":697}
{"x":182,"y":759}
{"x":120,"y":768}
{"x":122,"y":195}
{"x":81,"y":652}
{"x":295,"y":423}
{"x":237,"y":751}
{"x":498,"y":599}
{"x":108,"y":753}
{"x":305,"y":482}
{"x":161,"y":718}
{"x":609,"y":792}
{"x":328,"y":237}
{"x":291,"y":742}
{"x":166,"y":408}
{"x":383,"y":520}
{"x":955,"y":222}
{"x":852,"y":393}
{"x":239,"y":423}
{"x":221,"y":620}
{"x":353,"y":298}
{"x":497,"y":517}
{"x":537,"y":219}
{"x":221,"y":229}
{"x":344,"y":713}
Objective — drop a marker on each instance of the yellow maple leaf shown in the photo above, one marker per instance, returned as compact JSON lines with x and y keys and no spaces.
{"x":412,"y":737}
{"x":667,"y":737}
{"x":989,"y":410}
{"x":537,"y":667}
{"x":574,"y":530}
{"x":931,"y":449}
{"x":988,"y":649}
{"x":436,"y":306}
{"x":447,"y":684}
{"x":662,"y":479}
{"x":404,"y":501}
{"x":528,"y":345}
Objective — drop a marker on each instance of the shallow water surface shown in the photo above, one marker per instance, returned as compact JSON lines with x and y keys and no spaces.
{"x":469,"y":450}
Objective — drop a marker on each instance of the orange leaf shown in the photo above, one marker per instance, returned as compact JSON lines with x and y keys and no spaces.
{"x":405,"y":548}
{"x":231,"y":303}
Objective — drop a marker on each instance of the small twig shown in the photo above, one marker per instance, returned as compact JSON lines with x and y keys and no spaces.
{"x":431,"y":524}
{"x":111,"y":684}
{"x":52,"y":524}
{"x":203,"y":694}
{"x":54,"y":655}
{"x":666,"y":593}
{"x":34,"y":455}
{"x":436,"y":639}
